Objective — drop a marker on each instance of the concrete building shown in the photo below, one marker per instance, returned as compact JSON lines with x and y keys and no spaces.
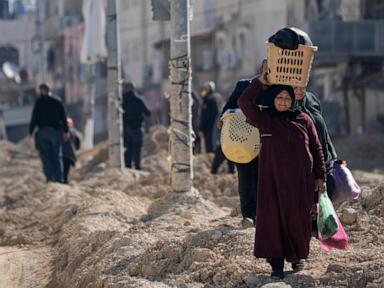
{"x":228,"y":39}
{"x":241,"y":31}
{"x":141,"y":62}
{"x":64,"y":28}
{"x":16,"y":99}
{"x":348,"y":69}
{"x":228,"y":43}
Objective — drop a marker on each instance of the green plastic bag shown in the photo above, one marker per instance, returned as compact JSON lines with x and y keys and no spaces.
{"x":327,"y":218}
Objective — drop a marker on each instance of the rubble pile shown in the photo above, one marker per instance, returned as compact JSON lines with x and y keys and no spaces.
{"x":363,"y":152}
{"x":113,"y":228}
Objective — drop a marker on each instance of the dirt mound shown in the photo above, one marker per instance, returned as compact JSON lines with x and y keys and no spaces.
{"x":370,"y":179}
{"x":373,"y":200}
{"x":113,"y":228}
{"x":5,"y":150}
{"x":156,"y":140}
{"x":363,"y":152}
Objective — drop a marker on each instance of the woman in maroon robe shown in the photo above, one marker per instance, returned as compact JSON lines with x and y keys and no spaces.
{"x":291,"y":168}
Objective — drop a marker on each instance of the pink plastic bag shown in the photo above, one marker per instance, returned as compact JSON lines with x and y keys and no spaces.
{"x":337,"y":241}
{"x":346,"y":187}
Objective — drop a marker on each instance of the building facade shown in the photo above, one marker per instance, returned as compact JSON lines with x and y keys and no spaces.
{"x":17,"y":94}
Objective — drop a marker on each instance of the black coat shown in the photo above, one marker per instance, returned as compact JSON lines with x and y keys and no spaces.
{"x":48,"y":111}
{"x":196,"y":112}
{"x":134,"y":110}
{"x":71,"y":145}
{"x":311,"y":105}
{"x":210,"y":109}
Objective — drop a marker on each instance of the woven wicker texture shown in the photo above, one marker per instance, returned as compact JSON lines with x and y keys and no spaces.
{"x":240,"y":141}
{"x":290,"y":67}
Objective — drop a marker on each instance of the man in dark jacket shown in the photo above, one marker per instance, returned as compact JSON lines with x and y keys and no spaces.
{"x":209,"y":115}
{"x":48,"y":116}
{"x":134,"y":111}
{"x":247,"y":173}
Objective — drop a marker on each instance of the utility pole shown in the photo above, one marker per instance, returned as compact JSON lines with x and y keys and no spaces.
{"x":40,"y":38}
{"x":114,"y":88}
{"x":89,"y":108}
{"x":180,"y":100}
{"x":93,"y":51}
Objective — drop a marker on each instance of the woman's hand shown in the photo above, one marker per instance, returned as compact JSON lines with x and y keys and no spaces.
{"x":320,"y":186}
{"x":263,"y":73}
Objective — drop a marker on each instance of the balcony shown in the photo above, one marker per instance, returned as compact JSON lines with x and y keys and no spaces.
{"x":338,"y":39}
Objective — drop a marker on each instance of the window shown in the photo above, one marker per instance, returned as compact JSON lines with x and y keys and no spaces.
{"x":220,"y":44}
{"x":208,"y":60}
{"x":9,"y":53}
{"x":374,"y":9}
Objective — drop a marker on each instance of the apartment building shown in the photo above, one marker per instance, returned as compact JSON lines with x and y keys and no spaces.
{"x":16,"y":97}
{"x":242,"y":28}
{"x":348,"y":68}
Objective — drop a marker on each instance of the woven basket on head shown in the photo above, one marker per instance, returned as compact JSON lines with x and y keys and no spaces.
{"x":240,"y":141}
{"x":290,"y":67}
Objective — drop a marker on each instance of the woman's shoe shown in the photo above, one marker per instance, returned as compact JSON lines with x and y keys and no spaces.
{"x":277,"y":265}
{"x":247,"y":223}
{"x":298,"y":266}
{"x":278,"y":274}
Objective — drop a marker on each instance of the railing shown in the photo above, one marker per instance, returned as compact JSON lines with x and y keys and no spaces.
{"x":358,"y":38}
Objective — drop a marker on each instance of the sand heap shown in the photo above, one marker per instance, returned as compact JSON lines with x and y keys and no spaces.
{"x":113,"y":228}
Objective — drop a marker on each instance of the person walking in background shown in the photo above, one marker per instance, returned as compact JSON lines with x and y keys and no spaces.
{"x":69,"y":147}
{"x":247,"y":173}
{"x":291,"y":169}
{"x":135,"y":110}
{"x":308,"y":103}
{"x":196,"y":118}
{"x":219,"y":156}
{"x":209,"y":115}
{"x":48,"y":115}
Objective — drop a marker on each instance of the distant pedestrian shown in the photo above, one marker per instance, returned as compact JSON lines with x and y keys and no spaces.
{"x":220,"y":157}
{"x":134,"y":111}
{"x":48,"y":116}
{"x":69,"y":147}
{"x":209,"y":115}
{"x":196,"y":118}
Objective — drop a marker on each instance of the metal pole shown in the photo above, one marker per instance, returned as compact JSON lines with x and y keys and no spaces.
{"x":114,"y":88}
{"x":3,"y":130}
{"x":92,"y":105}
{"x":180,"y":76}
{"x":89,"y":108}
